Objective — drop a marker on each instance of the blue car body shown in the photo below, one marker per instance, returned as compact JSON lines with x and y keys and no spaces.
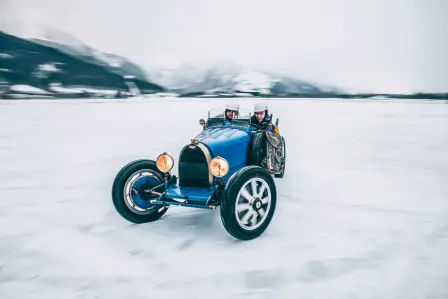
{"x":229,"y":140}
{"x":232,"y":143}
{"x":144,"y":189}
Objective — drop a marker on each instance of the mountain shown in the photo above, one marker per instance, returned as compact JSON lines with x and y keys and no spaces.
{"x":61,"y":69}
{"x":68,"y":43}
{"x":222,"y":78}
{"x":205,"y":78}
{"x":58,"y":65}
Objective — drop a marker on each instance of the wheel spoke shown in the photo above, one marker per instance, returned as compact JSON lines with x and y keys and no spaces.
{"x":246,"y":194}
{"x":265,"y":200}
{"x":262,"y":189}
{"x":261,"y":212}
{"x":254,"y":188}
{"x":246,"y":217}
{"x":242,"y":207}
{"x":253,"y":221}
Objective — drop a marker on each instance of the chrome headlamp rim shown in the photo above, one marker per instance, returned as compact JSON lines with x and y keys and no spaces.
{"x":222,"y":159}
{"x":170,"y":157}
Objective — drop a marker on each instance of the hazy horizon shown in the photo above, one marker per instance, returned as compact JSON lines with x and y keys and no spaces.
{"x":379,"y":46}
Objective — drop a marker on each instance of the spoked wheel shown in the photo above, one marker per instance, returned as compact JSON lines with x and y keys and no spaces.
{"x":249,"y":203}
{"x":132,"y":192}
{"x":253,"y":203}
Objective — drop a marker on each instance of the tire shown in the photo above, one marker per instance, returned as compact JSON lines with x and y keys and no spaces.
{"x":282,"y":173}
{"x":257,"y":149}
{"x":133,"y":207}
{"x":263,"y":209}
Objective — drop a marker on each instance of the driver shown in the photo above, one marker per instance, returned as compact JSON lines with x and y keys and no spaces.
{"x":261,"y":118}
{"x":232,"y":111}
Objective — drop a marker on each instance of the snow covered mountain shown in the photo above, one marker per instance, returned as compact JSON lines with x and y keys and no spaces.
{"x":223,"y":78}
{"x":66,"y":68}
{"x":55,"y":61}
{"x":68,"y":43}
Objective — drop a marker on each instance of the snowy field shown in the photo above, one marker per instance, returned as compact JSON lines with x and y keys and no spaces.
{"x":362,"y":210}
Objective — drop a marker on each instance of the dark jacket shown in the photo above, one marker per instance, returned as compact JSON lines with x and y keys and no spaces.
{"x":264,"y":124}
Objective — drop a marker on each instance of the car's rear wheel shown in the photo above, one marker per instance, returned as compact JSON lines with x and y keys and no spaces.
{"x":131,"y":194}
{"x":248,"y":203}
{"x":257,"y":149}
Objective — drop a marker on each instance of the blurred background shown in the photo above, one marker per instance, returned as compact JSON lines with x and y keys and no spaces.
{"x":281,"y":48}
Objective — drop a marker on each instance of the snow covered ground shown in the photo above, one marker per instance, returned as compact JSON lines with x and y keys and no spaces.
{"x":362,"y":210}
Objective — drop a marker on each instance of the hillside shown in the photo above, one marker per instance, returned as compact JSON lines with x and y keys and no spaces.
{"x":227,"y":79}
{"x":58,"y":65}
{"x":35,"y":67}
{"x":70,"y":44}
{"x":222,"y":78}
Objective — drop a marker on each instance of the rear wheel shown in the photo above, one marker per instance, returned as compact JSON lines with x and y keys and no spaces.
{"x":257,"y":150}
{"x":249,"y":202}
{"x":131,"y":192}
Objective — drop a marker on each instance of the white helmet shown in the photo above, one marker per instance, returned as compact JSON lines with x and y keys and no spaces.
{"x":260,"y":107}
{"x":233,"y":106}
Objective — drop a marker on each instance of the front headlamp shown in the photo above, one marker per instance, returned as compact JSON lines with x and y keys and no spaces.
{"x":165,"y":162}
{"x":218,"y":167}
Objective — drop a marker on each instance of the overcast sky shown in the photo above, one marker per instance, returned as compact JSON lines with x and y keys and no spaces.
{"x":376,"y":45}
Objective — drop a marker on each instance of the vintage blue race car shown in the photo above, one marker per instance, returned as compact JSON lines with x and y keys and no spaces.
{"x":229,"y":164}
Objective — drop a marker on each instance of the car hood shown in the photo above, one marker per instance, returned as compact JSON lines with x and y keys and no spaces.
{"x":227,"y":142}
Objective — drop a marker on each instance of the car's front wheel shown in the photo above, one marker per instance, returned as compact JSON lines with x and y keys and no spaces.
{"x":131,"y":192}
{"x":248,"y":203}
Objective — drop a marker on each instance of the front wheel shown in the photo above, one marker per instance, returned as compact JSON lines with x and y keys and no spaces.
{"x":131,"y":194}
{"x":248,"y":203}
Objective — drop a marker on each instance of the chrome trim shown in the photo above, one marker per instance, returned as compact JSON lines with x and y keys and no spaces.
{"x":208,"y":156}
